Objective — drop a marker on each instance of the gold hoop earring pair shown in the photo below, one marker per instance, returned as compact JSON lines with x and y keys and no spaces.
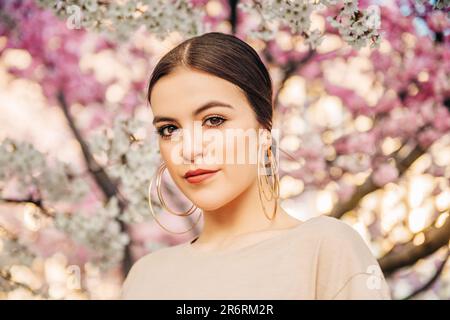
{"x":274,"y":187}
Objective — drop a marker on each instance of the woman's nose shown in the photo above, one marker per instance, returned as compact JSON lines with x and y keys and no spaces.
{"x":192,"y":146}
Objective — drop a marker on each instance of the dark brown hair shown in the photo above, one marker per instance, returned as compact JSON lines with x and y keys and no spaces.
{"x":226,"y":57}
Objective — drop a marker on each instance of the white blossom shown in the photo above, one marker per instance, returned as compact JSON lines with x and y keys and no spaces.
{"x":315,"y":38}
{"x":90,"y":5}
{"x":132,"y":160}
{"x":100,"y":232}
{"x":356,"y":27}
{"x":118,"y":20}
{"x":24,"y":165}
{"x":14,"y":252}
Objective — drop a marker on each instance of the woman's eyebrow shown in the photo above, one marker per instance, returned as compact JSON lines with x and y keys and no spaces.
{"x":202,"y":108}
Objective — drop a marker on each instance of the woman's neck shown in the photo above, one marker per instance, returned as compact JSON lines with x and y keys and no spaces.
{"x":242,"y":216}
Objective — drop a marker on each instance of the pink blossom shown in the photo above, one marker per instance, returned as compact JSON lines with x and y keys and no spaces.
{"x":438,"y":21}
{"x":311,"y":71}
{"x":386,"y":104}
{"x":357,"y":142}
{"x":345,"y":190}
{"x":441,"y":120}
{"x":49,"y":241}
{"x":352,"y":101}
{"x":436,"y":171}
{"x":428,"y":137}
{"x":385,"y":173}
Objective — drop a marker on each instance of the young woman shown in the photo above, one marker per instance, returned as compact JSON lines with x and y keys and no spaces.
{"x":249,"y":248}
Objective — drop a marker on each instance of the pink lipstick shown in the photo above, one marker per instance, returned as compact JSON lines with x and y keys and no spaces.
{"x":199,"y":175}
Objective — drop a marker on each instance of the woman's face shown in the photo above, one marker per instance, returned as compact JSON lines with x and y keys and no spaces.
{"x":198,"y":134}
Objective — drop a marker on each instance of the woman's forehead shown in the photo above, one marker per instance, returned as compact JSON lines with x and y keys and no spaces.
{"x":191,"y":89}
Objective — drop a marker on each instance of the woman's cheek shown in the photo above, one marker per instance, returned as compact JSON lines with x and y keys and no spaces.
{"x":170,"y":152}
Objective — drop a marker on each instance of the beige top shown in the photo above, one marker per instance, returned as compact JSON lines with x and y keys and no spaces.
{"x":322,"y":258}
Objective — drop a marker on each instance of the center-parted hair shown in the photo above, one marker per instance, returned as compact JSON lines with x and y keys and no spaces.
{"x":226,"y":57}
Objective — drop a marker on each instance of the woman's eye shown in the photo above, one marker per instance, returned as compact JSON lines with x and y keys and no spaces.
{"x":166,"y":131}
{"x":215,"y":121}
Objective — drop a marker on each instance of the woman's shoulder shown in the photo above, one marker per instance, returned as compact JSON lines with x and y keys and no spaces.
{"x":325,"y":227}
{"x":336,"y":243}
{"x":147,"y":265}
{"x":158,"y":255}
{"x":346,"y":265}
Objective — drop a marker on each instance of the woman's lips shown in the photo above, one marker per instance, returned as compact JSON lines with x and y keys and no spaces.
{"x":200,"y":177}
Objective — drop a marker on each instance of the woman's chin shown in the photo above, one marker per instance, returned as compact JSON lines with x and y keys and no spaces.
{"x":209,"y":205}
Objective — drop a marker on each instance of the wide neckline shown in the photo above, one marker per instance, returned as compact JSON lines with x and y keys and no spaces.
{"x":288,"y":231}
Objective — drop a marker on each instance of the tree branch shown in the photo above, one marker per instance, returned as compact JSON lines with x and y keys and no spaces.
{"x":432,"y":280}
{"x":233,"y":15}
{"x":107,"y":186}
{"x":37,"y":203}
{"x":403,"y":255}
{"x":369,"y":186}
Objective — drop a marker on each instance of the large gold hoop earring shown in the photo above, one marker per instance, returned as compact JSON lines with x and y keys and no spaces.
{"x":159,"y":174}
{"x":274,"y":187}
{"x":261,"y":155}
{"x":163,"y":204}
{"x":274,"y":173}
{"x":275,"y":184}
